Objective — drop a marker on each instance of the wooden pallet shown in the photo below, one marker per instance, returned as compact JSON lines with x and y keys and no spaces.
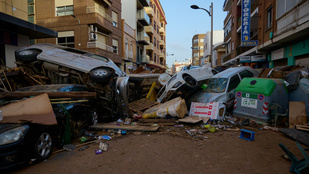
{"x":139,"y":106}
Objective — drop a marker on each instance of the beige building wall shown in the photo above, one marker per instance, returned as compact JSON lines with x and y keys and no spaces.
{"x":16,"y":8}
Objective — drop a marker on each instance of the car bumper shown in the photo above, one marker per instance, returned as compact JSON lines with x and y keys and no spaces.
{"x":13,"y":154}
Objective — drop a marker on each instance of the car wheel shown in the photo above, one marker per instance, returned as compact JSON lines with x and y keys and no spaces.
{"x":101,"y":74}
{"x":190,"y":81}
{"x":44,"y":145}
{"x":27,"y":55}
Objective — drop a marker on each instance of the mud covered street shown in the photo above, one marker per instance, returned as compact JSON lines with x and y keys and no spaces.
{"x":173,"y":152}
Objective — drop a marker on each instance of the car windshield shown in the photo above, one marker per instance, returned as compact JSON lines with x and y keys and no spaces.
{"x":216,"y":85}
{"x":189,"y":67}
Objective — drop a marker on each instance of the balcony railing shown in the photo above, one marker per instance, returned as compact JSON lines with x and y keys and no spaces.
{"x":142,"y":37}
{"x":142,"y":17}
{"x":149,"y":29}
{"x":162,"y":54}
{"x":149,"y":47}
{"x":149,"y":11}
{"x":94,"y":9}
{"x":145,"y":59}
{"x":162,"y":43}
{"x":100,"y":45}
{"x":161,"y":30}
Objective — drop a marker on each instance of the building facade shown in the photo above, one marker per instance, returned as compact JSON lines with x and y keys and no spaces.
{"x":89,"y":25}
{"x":147,"y":18}
{"x":280,"y":28}
{"x":197,"y":48}
{"x":177,"y":66}
{"x":217,"y":38}
{"x":16,"y":31}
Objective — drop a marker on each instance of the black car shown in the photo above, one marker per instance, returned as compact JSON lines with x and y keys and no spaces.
{"x":25,"y":142}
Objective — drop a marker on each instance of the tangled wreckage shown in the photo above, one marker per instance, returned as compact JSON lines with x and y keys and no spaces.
{"x":53,"y":64}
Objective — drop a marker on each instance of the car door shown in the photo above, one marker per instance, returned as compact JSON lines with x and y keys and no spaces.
{"x":233,"y":83}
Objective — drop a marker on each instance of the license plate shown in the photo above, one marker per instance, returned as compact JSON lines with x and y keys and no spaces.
{"x":248,"y":102}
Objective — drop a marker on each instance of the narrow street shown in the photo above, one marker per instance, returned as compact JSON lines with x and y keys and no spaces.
{"x":171,"y":152}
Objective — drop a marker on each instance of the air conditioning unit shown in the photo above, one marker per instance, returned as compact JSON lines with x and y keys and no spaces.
{"x":93,"y":36}
{"x":93,"y":28}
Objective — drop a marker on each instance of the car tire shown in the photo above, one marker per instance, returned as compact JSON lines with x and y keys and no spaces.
{"x":190,"y":81}
{"x":44,"y":144}
{"x":27,"y":55}
{"x":101,"y":74}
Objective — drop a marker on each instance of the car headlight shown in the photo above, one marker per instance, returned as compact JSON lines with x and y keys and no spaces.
{"x":177,"y":85}
{"x":13,"y":135}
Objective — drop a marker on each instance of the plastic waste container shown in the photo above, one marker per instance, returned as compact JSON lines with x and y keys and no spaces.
{"x":301,"y":94}
{"x":253,"y":96}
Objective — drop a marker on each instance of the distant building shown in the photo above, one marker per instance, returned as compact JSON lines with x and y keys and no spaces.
{"x":177,"y":66}
{"x":218,"y":37}
{"x":197,"y":48}
{"x":147,"y":18}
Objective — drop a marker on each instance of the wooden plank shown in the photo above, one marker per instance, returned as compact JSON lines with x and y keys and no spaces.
{"x":125,"y":127}
{"x":141,"y":105}
{"x":191,"y":119}
{"x":75,"y":94}
{"x":301,"y":127}
{"x":158,"y":120}
{"x":298,"y":135}
{"x":297,"y":114}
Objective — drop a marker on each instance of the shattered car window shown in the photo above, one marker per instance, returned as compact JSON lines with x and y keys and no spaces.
{"x":216,"y":85}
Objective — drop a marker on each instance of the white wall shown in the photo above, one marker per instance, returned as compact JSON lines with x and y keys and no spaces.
{"x":129,"y":12}
{"x":217,"y":38}
{"x":10,"y":50}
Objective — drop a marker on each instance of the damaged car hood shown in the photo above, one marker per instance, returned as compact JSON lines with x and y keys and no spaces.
{"x":204,"y":97}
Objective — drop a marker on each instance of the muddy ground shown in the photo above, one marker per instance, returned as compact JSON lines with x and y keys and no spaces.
{"x":170,"y":151}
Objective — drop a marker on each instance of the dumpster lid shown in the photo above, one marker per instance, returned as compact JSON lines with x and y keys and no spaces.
{"x":263,"y":86}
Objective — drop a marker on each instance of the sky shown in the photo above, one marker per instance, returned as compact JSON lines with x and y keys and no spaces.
{"x":183,"y":23}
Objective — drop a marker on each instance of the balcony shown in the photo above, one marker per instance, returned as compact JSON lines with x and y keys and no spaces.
{"x":96,"y":44}
{"x":128,"y":55}
{"x":227,"y":5}
{"x":294,"y":21}
{"x":162,"y":55}
{"x":149,"y":47}
{"x":149,"y":30}
{"x":145,"y":3}
{"x":149,"y":11}
{"x":142,"y":38}
{"x":143,"y":18}
{"x":145,"y":59}
{"x":161,"y":30}
{"x":95,"y":9}
{"x":162,"y":43}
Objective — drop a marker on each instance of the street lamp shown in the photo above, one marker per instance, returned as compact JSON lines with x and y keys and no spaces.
{"x":211,"y":36}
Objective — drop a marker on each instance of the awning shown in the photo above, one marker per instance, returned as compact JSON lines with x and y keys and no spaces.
{"x":19,"y":26}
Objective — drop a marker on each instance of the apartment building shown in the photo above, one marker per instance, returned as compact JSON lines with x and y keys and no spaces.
{"x":284,"y":36}
{"x":217,"y":38}
{"x":89,"y":25}
{"x":280,"y":28}
{"x":197,"y":48}
{"x":235,"y":50}
{"x":16,"y":31}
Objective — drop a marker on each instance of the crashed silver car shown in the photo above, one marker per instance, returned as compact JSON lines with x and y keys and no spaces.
{"x":221,"y":88}
{"x":185,"y":82}
{"x":54,"y":64}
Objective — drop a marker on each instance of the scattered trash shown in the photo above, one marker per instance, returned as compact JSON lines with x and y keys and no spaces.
{"x":246,"y":135}
{"x":98,"y":151}
{"x":180,"y":125}
{"x":83,"y":148}
{"x":69,"y":147}
{"x":83,"y":139}
{"x":104,"y":137}
{"x":103,"y":146}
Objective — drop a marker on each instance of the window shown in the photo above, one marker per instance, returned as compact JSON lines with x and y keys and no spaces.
{"x":269,"y":17}
{"x":64,"y":10}
{"x":154,"y":8}
{"x":154,"y":25}
{"x":158,"y":44}
{"x":31,"y":11}
{"x":246,"y":73}
{"x":227,"y":28}
{"x":131,"y":47}
{"x":115,"y":19}
{"x":115,"y":46}
{"x":155,"y":57}
{"x":157,"y":28}
{"x":66,"y":38}
{"x":155,"y":42}
{"x":284,"y":6}
{"x":234,"y":81}
{"x":201,"y":40}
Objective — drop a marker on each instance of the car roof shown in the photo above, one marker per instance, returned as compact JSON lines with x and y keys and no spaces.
{"x":231,"y":71}
{"x":48,"y":88}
